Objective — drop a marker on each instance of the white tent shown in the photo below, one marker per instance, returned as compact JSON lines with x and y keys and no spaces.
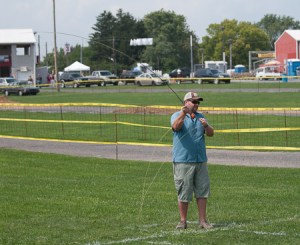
{"x":77,"y":66}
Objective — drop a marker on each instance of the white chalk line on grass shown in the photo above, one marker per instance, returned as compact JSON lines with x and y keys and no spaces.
{"x":224,"y":227}
{"x":265,"y":233}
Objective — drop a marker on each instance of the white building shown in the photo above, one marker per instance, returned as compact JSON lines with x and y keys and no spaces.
{"x":17,"y":53}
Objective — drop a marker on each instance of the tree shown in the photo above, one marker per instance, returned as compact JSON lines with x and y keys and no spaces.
{"x":171,"y":40}
{"x":242,"y":36}
{"x":111,"y":40}
{"x":274,"y":25}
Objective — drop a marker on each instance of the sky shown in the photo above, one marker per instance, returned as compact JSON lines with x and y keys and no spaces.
{"x":75,"y":18}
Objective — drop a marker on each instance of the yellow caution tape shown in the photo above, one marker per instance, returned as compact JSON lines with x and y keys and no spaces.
{"x":268,"y":148}
{"x":152,"y":106}
{"x":81,"y":122}
{"x":249,"y":130}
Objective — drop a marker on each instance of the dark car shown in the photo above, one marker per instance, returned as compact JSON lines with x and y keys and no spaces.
{"x":180,"y":73}
{"x":211,"y":76}
{"x":73,"y":79}
{"x":129,"y":76}
{"x":20,"y":88}
{"x":223,"y":77}
{"x":298,"y":71}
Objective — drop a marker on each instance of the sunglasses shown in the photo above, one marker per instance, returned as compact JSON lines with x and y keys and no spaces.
{"x":195,"y":102}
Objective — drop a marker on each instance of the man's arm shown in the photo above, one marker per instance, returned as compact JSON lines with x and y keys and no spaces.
{"x":177,"y":124}
{"x":209,"y":130}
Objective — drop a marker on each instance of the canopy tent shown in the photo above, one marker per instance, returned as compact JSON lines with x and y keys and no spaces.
{"x":77,"y":66}
{"x":273,"y":63}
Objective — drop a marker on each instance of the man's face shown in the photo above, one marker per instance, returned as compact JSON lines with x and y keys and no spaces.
{"x":192,"y":105}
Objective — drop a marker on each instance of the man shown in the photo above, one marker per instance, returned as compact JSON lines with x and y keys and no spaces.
{"x":190,"y":160}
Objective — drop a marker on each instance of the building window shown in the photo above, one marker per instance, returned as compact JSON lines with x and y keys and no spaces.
{"x":23,"y":50}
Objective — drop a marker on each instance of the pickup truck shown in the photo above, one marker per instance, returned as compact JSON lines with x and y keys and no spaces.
{"x":268,"y":73}
{"x":105,"y":77}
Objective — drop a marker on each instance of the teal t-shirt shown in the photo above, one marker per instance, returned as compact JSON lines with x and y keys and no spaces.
{"x":189,"y":141}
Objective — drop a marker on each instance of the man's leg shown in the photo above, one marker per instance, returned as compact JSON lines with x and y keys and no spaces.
{"x":183,"y":209}
{"x":201,"y":203}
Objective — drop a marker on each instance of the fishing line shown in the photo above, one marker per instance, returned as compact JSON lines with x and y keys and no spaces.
{"x":120,"y":52}
{"x":145,"y":190}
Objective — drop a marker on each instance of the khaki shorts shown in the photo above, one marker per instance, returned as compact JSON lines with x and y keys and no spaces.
{"x":191,"y":178}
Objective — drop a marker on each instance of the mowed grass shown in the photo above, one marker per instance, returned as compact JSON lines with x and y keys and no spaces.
{"x":164,"y":96}
{"x":58,"y":199}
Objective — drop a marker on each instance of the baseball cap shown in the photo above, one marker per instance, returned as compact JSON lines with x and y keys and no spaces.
{"x":192,"y":96}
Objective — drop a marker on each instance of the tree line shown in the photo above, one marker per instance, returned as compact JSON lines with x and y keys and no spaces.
{"x":109,"y":43}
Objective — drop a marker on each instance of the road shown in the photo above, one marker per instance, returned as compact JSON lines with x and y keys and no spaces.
{"x":154,"y":154}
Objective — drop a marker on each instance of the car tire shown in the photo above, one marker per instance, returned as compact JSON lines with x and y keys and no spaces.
{"x":200,"y":81}
{"x":102,"y":84}
{"x":20,"y":93}
{"x":178,"y":82}
{"x":139,"y":83}
{"x":75,"y":85}
{"x":153,"y":83}
{"x":88,"y":85}
{"x":6,"y":93}
{"x":216,"y":81}
{"x":62,"y":85}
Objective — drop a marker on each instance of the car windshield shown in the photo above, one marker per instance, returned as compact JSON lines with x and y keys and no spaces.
{"x":213,"y":71}
{"x":11,"y":80}
{"x":154,"y":75}
{"x":105,"y":73}
{"x":76,"y":75}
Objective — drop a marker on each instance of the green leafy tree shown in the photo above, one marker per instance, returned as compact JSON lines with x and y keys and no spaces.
{"x":111,"y":40}
{"x":241,"y":36}
{"x":274,"y":25}
{"x":171,"y":40}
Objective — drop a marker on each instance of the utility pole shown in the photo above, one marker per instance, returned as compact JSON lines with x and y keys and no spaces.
{"x":230,"y":53}
{"x":55,"y":49}
{"x":192,"y":62}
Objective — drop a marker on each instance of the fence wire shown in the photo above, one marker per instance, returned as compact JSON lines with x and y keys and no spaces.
{"x":235,"y":128}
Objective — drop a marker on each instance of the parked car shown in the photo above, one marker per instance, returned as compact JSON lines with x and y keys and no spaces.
{"x":180,"y":73}
{"x":5,"y":81}
{"x":150,"y":79}
{"x":298,"y":71}
{"x":20,"y":88}
{"x":211,"y":76}
{"x":268,"y":72}
{"x":73,"y":79}
{"x":129,"y":76}
{"x":223,"y":77}
{"x":104,"y":77}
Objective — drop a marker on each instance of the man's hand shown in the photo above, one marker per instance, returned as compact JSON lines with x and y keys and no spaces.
{"x":204,"y":122}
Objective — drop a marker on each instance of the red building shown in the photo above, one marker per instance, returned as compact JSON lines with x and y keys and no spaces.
{"x":287,"y":46}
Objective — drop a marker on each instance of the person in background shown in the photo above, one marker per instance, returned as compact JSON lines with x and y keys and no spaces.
{"x":190,"y":160}
{"x":30,"y":80}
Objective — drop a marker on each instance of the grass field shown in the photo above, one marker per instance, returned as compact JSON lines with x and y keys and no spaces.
{"x":57,"y":199}
{"x":164,"y":96}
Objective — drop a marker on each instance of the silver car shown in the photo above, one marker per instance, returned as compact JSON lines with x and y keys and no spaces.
{"x":150,"y":79}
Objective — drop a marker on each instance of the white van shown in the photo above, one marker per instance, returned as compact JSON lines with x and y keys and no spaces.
{"x":268,"y":72}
